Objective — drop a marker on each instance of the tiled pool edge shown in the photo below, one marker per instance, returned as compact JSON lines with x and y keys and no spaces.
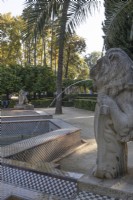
{"x":65,"y":129}
{"x":56,"y":183}
{"x":48,"y":171}
{"x":40,"y":193}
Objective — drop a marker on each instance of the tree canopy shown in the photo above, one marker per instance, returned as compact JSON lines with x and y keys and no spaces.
{"x":30,"y":78}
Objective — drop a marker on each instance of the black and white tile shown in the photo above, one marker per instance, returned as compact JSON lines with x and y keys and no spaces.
{"x":39,"y":182}
{"x":91,"y":196}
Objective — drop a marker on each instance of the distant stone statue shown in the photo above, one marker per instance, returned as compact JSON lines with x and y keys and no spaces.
{"x":113,"y":78}
{"x":22,"y":97}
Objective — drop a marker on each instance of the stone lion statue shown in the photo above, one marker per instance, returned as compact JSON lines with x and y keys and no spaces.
{"x":113,"y":78}
{"x":22,"y":97}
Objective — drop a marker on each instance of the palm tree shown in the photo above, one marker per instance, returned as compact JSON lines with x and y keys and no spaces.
{"x":60,"y":60}
{"x":70,"y":14}
{"x":73,"y":14}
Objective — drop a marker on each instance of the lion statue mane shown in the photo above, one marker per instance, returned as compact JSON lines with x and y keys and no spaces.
{"x":113,"y":78}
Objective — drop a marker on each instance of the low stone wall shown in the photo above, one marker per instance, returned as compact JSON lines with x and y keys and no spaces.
{"x":47,"y":146}
{"x":49,"y":150}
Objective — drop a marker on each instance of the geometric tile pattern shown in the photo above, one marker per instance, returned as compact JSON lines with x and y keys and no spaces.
{"x":91,"y":196}
{"x":44,"y":183}
{"x":48,"y":151}
{"x":24,"y":127}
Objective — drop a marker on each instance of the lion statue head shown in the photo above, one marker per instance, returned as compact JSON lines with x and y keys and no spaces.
{"x":113,"y":72}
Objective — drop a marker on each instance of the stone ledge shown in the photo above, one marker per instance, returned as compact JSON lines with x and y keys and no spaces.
{"x":24,"y":107}
{"x":118,"y":188}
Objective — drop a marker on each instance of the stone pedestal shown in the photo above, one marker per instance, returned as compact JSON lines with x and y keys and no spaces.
{"x":24,"y":107}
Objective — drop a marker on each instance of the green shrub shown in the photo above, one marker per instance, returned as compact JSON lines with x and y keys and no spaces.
{"x":67,"y":103}
{"x":87,"y":95}
{"x":86,"y":104}
{"x":41,"y":103}
{"x":69,"y":97}
{"x":87,"y":98}
{"x":12,"y":103}
{"x":38,"y":103}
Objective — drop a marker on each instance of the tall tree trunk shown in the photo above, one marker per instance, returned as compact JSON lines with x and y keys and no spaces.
{"x":28,"y":52}
{"x":35,"y":46}
{"x":51,"y":56}
{"x":55,"y":62}
{"x":44,"y":50}
{"x":58,"y":109}
{"x":67,"y":63}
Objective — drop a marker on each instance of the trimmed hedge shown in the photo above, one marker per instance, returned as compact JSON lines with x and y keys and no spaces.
{"x":87,"y":98}
{"x":86,"y":104}
{"x":41,"y":103}
{"x":67,"y":103}
{"x":38,"y":103}
{"x":87,"y":95}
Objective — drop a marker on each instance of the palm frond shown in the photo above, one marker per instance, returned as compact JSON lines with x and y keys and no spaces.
{"x":116,"y":18}
{"x":78,"y":12}
{"x":39,"y":13}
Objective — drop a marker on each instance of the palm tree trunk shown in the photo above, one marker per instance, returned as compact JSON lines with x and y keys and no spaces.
{"x":44,"y":50}
{"x":29,"y":52}
{"x":51,"y":55}
{"x":55,"y":62}
{"x":35,"y":48}
{"x":67,"y":63}
{"x":58,"y":109}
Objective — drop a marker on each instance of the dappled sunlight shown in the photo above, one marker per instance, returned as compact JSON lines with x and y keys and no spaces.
{"x":39,"y":111}
{"x":75,"y":118}
{"x":84,"y":117}
{"x":89,"y":148}
{"x":82,"y":160}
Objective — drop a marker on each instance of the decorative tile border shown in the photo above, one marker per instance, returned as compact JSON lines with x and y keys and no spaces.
{"x":92,"y":196}
{"x":43,"y":183}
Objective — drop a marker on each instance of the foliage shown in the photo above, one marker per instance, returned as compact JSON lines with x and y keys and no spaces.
{"x":85,"y":104}
{"x":70,"y":14}
{"x":41,"y":103}
{"x":12,"y":103}
{"x":91,"y":58}
{"x":118,"y":25}
{"x":30,"y":78}
{"x":77,"y":86}
{"x":87,"y":96}
{"x":73,"y":63}
{"x":38,"y":103}
{"x":39,"y":13}
{"x":9,"y":81}
{"x":67,"y":103}
{"x":77,"y":82}
{"x":37,"y":78}
{"x":10,"y":32}
{"x":25,"y":55}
